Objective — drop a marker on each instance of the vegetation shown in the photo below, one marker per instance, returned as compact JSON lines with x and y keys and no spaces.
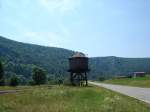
{"x":39,"y":76}
{"x":112,"y":66}
{"x":101,"y":78}
{"x":66,"y":99}
{"x":139,"y":81}
{"x":2,"y":81}
{"x":14,"y":80}
{"x":21,"y":58}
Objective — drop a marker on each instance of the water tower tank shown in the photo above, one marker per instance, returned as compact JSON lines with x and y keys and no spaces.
{"x":78,"y":63}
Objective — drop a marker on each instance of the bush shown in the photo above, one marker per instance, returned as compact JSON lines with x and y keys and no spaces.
{"x":14,"y":80}
{"x":67,"y":82}
{"x":2,"y":80}
{"x":39,"y":76}
{"x":101,"y":78}
{"x":31,"y":82}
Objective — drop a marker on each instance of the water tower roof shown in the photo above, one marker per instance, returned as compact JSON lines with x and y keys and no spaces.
{"x":78,"y":54}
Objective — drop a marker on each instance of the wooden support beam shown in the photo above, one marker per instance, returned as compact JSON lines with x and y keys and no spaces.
{"x":86,"y":79}
{"x":79,"y":79}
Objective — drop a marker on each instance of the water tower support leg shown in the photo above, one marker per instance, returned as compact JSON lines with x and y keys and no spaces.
{"x":86,"y":79}
{"x":71,"y":78}
{"x":82,"y":79}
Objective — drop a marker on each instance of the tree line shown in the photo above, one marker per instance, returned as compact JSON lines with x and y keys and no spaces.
{"x":39,"y":77}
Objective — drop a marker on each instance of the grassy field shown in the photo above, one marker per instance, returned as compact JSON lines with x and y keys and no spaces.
{"x":69,"y":99}
{"x":14,"y":88}
{"x":139,"y":81}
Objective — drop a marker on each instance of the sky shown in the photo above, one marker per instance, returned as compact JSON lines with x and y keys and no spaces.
{"x":95,"y":27}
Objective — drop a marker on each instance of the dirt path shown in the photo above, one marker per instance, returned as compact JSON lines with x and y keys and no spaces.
{"x":139,"y":93}
{"x":8,"y":91}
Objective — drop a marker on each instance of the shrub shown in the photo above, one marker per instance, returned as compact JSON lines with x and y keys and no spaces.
{"x":39,"y":76}
{"x":14,"y":80}
{"x":2,"y":80}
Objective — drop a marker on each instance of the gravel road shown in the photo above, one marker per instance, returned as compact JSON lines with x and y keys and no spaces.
{"x":139,"y":93}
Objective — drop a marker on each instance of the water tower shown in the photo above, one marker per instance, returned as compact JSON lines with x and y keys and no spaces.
{"x":78,"y":68}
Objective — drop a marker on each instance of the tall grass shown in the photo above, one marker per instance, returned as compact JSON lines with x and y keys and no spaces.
{"x":69,"y":99}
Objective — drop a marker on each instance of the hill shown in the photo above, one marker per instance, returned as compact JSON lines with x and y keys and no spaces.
{"x":20,"y":58}
{"x":111,"y":66}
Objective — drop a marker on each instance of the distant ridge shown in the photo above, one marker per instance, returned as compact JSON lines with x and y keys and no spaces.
{"x":20,"y":58}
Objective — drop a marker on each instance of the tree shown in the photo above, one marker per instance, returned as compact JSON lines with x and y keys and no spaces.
{"x":101,"y":78}
{"x":2,"y":80}
{"x":14,"y":80}
{"x":39,"y":76}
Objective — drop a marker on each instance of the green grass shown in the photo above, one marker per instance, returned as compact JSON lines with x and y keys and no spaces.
{"x":139,"y":81}
{"x":69,"y":99}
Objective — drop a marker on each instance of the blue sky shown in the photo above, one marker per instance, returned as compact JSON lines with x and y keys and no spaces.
{"x":95,"y":27}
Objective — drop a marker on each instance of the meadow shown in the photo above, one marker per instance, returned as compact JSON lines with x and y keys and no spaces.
{"x":69,"y":99}
{"x":139,"y":81}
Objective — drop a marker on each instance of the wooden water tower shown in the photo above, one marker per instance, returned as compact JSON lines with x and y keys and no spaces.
{"x":78,"y":68}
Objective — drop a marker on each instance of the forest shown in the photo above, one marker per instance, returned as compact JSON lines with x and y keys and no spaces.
{"x":21,"y":58}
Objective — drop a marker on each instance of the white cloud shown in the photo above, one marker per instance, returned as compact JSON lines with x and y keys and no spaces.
{"x":59,"y":6}
{"x":26,"y":33}
{"x":44,"y":38}
{"x":23,"y":33}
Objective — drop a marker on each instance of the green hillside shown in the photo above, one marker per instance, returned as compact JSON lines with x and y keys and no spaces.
{"x":20,"y":58}
{"x":111,"y":66}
